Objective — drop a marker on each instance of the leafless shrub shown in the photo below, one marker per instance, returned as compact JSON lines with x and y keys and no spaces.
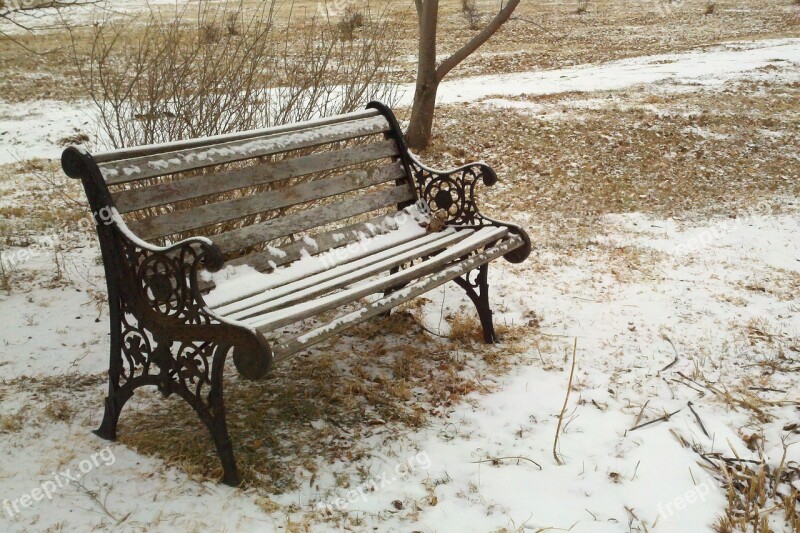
{"x":470,"y":10}
{"x":175,"y":78}
{"x":583,"y":7}
{"x":710,"y":8}
{"x":232,"y":23}
{"x":210,"y":33}
{"x":351,"y":20}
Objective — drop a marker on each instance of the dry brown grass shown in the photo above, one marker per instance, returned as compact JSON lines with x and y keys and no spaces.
{"x":541,"y":35}
{"x":708,"y":152}
{"x":60,"y":410}
{"x":385,"y":377}
{"x":11,"y":423}
{"x":759,"y":496}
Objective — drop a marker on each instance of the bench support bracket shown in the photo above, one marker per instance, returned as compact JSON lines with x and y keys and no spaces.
{"x":192,"y":370}
{"x":480,"y":298}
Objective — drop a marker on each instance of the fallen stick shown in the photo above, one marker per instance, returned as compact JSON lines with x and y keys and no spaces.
{"x":564,"y":407}
{"x":697,"y":417}
{"x":664,"y":418}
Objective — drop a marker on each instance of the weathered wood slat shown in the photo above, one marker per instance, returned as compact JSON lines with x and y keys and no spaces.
{"x":332,"y":278}
{"x":260,"y":174}
{"x":215,"y":213}
{"x":373,"y":249}
{"x":268,"y":260}
{"x":302,"y":294}
{"x":151,"y":149}
{"x":271,"y":321}
{"x":272,"y":258}
{"x":150,"y":166}
{"x":288,"y":348}
{"x":310,"y":218}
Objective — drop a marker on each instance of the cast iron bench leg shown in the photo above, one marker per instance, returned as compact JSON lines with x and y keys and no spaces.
{"x":481,"y":300}
{"x":161,"y":368}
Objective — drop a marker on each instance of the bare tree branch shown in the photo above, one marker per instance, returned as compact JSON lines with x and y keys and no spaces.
{"x":465,"y":51}
{"x":22,"y":14}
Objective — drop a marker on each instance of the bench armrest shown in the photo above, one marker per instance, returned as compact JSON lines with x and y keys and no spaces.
{"x":454,"y":192}
{"x":159,"y":285}
{"x":164,"y":270}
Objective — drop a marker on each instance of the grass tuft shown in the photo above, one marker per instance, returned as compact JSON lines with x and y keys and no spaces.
{"x":386,"y":376}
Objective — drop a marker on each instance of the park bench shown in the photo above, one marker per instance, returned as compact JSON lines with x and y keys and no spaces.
{"x":320,"y":225}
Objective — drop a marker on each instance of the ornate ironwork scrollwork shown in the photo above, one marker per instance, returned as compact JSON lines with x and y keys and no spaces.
{"x":452,"y":191}
{"x":163,"y":334}
{"x":166,"y":278}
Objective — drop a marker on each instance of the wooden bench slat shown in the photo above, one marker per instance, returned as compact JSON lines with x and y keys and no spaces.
{"x":337,"y":278}
{"x":272,"y":258}
{"x":321,"y":264}
{"x":260,"y":174}
{"x":271,"y":321}
{"x":209,"y":214}
{"x":150,"y":166}
{"x":310,"y":218}
{"x":268,"y":260}
{"x":151,"y":149}
{"x":330,"y":269}
{"x":288,"y":348}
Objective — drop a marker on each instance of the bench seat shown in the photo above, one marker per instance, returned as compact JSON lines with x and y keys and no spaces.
{"x":316,"y":284}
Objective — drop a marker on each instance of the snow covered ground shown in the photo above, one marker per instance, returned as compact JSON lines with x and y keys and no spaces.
{"x":665,"y":312}
{"x":697,"y":294}
{"x":711,"y":66}
{"x":38,"y":129}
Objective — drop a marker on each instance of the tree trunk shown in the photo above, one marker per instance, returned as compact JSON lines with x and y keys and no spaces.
{"x":421,"y":126}
{"x":419,"y":130}
{"x":429,"y":75}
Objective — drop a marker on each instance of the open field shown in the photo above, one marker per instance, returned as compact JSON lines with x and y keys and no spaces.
{"x":665,"y":214}
{"x":541,"y":35}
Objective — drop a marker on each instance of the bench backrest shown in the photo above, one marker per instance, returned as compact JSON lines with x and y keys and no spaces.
{"x":250,"y":190}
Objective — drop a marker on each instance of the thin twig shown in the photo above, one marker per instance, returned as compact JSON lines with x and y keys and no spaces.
{"x":431,"y":331}
{"x":93,"y":495}
{"x":698,"y":420}
{"x":766,"y":389}
{"x":641,"y":413}
{"x":701,"y":391}
{"x":664,"y":418}
{"x":674,"y":350}
{"x":564,"y":407}
{"x":517,"y":457}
